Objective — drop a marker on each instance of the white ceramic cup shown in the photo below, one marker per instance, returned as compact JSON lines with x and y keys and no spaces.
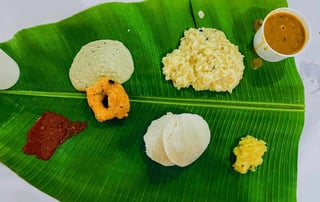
{"x":264,"y":50}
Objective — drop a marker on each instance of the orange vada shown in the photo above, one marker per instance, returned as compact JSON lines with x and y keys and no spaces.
{"x":108,"y":99}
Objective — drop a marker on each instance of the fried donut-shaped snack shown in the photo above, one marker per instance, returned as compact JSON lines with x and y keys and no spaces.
{"x":118,"y":104}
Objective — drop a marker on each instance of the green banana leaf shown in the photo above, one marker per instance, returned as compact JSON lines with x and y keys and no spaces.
{"x":107,"y":161}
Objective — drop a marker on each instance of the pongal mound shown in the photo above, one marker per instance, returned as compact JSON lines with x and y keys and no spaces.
{"x":205,"y":60}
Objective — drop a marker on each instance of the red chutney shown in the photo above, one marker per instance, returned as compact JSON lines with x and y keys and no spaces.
{"x":50,"y":131}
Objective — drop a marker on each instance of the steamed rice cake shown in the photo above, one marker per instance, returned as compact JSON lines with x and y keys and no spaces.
{"x":101,"y":58}
{"x":185,"y":138}
{"x":153,"y":138}
{"x":177,"y":139}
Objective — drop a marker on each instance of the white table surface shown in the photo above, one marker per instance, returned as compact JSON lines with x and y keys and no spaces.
{"x":18,"y":14}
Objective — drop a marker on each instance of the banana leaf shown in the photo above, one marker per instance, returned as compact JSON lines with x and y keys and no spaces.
{"x":107,"y":161}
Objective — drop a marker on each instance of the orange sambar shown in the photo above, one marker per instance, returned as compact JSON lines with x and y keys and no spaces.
{"x":284,"y":33}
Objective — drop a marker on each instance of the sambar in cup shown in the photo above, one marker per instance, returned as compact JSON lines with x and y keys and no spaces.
{"x":284,"y":33}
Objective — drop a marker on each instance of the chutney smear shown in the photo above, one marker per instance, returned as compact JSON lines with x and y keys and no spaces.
{"x":50,"y":131}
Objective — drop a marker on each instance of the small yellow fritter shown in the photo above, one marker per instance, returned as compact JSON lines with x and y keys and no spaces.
{"x":249,"y":154}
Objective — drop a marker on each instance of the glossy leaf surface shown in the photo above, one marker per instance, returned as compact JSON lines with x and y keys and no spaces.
{"x":107,"y":161}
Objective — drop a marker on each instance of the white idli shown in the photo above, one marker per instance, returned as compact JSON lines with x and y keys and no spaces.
{"x":186,"y":138}
{"x":101,"y":58}
{"x":177,"y":139}
{"x":9,"y":71}
{"x":153,"y":140}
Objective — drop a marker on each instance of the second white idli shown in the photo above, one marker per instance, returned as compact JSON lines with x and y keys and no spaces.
{"x":9,"y":71}
{"x":101,"y":58}
{"x":153,"y":140}
{"x":177,"y":139}
{"x":185,"y":138}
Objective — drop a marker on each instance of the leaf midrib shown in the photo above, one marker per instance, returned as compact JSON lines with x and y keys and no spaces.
{"x":173,"y":101}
